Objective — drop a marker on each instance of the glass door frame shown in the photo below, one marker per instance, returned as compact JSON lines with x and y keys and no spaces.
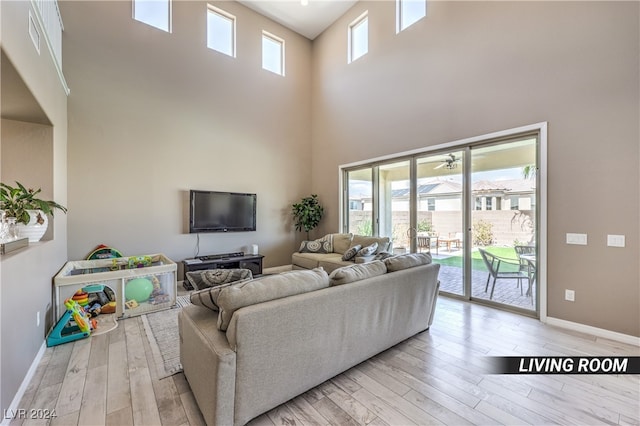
{"x":539,"y":130}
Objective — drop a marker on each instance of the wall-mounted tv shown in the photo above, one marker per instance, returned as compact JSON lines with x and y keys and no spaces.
{"x":214,"y":211}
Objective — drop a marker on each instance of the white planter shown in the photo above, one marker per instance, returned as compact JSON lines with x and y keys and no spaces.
{"x":36,"y":227}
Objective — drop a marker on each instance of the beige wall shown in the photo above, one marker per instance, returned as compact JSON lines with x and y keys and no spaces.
{"x":153,"y":114}
{"x":25,"y":287}
{"x":472,"y":68}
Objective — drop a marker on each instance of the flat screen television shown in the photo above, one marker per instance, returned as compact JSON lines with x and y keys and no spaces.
{"x":214,"y":211}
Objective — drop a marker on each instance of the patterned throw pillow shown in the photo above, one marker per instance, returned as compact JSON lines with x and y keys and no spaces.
{"x":368,"y":250}
{"x":316,"y":246}
{"x":382,"y":255}
{"x":214,"y":277}
{"x":351,"y":253}
{"x":208,"y":297}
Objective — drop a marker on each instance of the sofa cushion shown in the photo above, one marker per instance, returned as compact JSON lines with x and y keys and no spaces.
{"x":383,"y":242}
{"x":331,"y":264}
{"x":313,"y":260}
{"x":368,"y":250}
{"x":351,"y":253}
{"x":271,"y":287}
{"x":404,"y":261}
{"x":214,"y":277}
{"x":315,"y":246}
{"x":341,"y":242}
{"x":357,"y":272}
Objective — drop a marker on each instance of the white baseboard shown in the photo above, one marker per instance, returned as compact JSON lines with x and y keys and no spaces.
{"x":599,"y":332}
{"x":13,"y":408}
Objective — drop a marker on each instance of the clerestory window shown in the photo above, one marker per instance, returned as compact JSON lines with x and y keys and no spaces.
{"x":272,"y":53}
{"x":221,"y":31}
{"x":408,"y":12}
{"x":156,"y":13}
{"x":358,"y":37}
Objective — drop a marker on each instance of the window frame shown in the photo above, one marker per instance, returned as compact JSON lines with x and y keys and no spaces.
{"x":225,"y":15}
{"x":362,"y":19}
{"x":274,"y":38}
{"x":400,"y":16}
{"x":169,"y":16}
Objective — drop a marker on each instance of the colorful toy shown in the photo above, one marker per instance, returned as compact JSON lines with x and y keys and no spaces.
{"x":81,"y":297}
{"x":74,"y":324}
{"x":109,"y":308}
{"x":140,"y":262}
{"x":138,"y":289}
{"x":103,"y":252}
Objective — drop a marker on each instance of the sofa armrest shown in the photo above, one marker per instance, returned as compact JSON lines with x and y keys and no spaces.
{"x":209,"y":364}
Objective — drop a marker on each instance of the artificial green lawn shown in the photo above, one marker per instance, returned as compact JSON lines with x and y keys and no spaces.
{"x":478,"y":264}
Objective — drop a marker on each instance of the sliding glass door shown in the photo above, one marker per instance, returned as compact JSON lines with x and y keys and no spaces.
{"x":503,"y":222}
{"x":472,"y":206}
{"x":439,"y":209}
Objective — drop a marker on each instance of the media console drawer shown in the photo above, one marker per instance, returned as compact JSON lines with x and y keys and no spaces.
{"x":252,"y":262}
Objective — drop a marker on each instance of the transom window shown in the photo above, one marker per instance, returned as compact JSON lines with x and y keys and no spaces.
{"x":156,"y":13}
{"x":409,"y":12}
{"x":221,"y":31}
{"x":358,"y":37}
{"x":272,"y":53}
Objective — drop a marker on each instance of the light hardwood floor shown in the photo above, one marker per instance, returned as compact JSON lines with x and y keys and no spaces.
{"x":436,"y":377}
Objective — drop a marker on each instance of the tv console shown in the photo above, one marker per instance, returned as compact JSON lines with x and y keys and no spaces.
{"x":236,"y":260}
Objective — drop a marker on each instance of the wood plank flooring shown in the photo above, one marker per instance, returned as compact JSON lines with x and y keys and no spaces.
{"x":436,"y":377}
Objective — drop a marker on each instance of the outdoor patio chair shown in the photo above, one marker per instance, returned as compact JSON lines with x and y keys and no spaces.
{"x":424,"y":242}
{"x":520,"y":250}
{"x":493,"y":264}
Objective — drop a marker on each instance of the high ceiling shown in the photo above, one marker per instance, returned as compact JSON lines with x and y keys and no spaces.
{"x":310,"y":20}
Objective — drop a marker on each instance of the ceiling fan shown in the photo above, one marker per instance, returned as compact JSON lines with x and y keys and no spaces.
{"x":450,"y":162}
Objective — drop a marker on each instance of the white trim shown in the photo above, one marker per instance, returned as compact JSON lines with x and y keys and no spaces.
{"x":542,"y":224}
{"x":598,"y":332}
{"x":13,"y":407}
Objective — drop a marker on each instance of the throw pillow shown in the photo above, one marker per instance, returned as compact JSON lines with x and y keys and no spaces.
{"x":382,"y":255}
{"x":315,"y":246}
{"x":327,"y":242}
{"x":271,"y":287}
{"x":341,"y":242}
{"x":214,"y":277}
{"x":351,"y":253}
{"x":208,"y":298}
{"x":368,"y":250}
{"x":404,"y":261}
{"x":357,"y":272}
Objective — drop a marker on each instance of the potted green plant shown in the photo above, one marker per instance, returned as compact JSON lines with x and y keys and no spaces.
{"x":307,"y":213}
{"x":31,"y":213}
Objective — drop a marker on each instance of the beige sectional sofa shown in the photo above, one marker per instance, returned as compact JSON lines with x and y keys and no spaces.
{"x":279,"y":336}
{"x":339,"y":244}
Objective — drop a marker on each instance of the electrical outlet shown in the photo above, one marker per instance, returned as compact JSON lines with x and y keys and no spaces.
{"x":570,"y":295}
{"x":579,"y":239}
{"x":615,"y":240}
{"x":38,"y":319}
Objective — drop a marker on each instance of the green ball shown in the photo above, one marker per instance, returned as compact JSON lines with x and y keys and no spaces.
{"x":138,"y":289}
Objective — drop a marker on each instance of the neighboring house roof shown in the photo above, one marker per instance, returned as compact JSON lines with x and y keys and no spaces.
{"x":444,"y":187}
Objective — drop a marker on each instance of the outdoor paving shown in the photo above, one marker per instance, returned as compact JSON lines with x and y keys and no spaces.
{"x":506,"y":291}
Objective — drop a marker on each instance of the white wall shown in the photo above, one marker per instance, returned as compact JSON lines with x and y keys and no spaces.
{"x":154,"y":114}
{"x":473,"y":68}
